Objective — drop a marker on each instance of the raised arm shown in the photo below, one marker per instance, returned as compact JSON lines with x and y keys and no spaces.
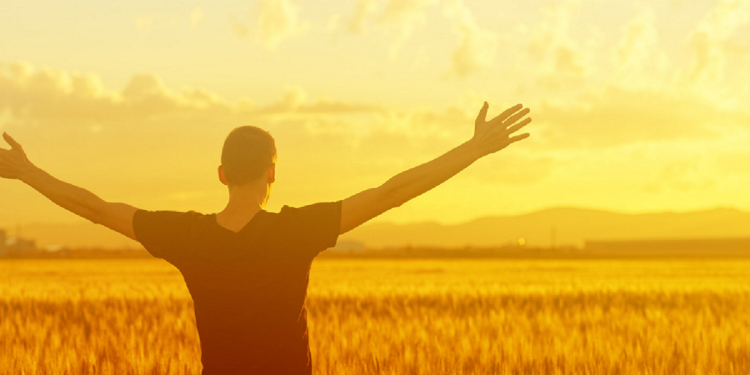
{"x":15,"y":165}
{"x":489,"y":137}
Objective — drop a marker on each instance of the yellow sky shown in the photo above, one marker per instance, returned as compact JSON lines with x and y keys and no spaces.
{"x":638,"y":106}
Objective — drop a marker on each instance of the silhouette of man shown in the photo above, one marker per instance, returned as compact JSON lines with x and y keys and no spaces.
{"x":247,"y":269}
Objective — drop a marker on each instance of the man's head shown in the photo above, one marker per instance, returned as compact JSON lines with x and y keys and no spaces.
{"x":249,"y":154}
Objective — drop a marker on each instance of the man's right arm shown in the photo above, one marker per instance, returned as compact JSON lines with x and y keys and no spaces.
{"x":489,"y":137}
{"x":15,"y":165}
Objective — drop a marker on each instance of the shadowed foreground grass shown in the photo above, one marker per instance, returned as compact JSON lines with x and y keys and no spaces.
{"x":398,"y":317}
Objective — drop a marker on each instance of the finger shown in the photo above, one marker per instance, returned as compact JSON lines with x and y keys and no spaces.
{"x":507,"y":113}
{"x":482,"y":116}
{"x":512,"y":119}
{"x":12,"y":142}
{"x":504,"y":132}
{"x":519,"y":137}
{"x":518,"y":126}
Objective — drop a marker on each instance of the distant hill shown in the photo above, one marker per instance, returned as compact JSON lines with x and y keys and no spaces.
{"x":558,"y":226}
{"x":561,"y":226}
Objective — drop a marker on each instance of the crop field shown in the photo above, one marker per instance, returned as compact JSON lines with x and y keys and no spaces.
{"x":398,"y":317}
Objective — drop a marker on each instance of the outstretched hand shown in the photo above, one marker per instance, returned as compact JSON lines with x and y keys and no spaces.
{"x":13,"y":162}
{"x":497,"y":134}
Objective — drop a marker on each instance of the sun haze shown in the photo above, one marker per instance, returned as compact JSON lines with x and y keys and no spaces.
{"x":638,"y":107}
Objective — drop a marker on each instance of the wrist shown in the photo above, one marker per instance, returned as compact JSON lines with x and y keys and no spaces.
{"x":472,"y":149}
{"x":29,"y":173}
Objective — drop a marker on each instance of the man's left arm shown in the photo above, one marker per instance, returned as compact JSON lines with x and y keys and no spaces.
{"x":489,"y":137}
{"x":14,"y":164}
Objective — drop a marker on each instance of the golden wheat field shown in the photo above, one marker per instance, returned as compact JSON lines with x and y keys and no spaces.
{"x":398,"y":317}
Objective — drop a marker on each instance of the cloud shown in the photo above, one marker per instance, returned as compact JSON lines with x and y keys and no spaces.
{"x":709,"y":41}
{"x":637,"y":45}
{"x":46,"y":94}
{"x":476,"y":48}
{"x":296,"y":102}
{"x":239,"y":29}
{"x":619,"y":117}
{"x":273,"y":22}
{"x":277,"y":20}
{"x":148,"y":22}
{"x":611,"y":118}
{"x":68,"y":118}
{"x":196,"y":16}
{"x":402,"y":18}
{"x":30,"y":94}
{"x":558,"y":58}
{"x":6,"y":117}
{"x":405,"y":17}
{"x":686,"y":175}
{"x":363,"y":10}
{"x":143,"y":22}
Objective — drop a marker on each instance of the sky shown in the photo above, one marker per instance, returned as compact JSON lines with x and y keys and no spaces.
{"x":638,"y":106}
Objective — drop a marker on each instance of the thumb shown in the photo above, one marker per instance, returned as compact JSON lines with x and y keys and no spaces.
{"x":12,"y":142}
{"x":482,"y":116}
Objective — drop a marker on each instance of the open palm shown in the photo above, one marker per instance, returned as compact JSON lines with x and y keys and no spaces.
{"x":13,"y":162}
{"x":496,"y":134}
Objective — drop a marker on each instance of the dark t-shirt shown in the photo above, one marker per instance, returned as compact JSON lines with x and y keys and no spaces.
{"x":249,"y":287}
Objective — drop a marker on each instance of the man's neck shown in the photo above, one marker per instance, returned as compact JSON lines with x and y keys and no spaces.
{"x":244,"y":202}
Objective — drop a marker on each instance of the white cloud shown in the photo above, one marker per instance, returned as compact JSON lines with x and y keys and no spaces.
{"x":558,"y":58}
{"x":144,"y":22}
{"x":405,"y":17}
{"x":364,"y":9}
{"x":273,"y":22}
{"x":401,"y":18}
{"x":161,"y":21}
{"x":476,"y":48}
{"x":637,"y":45}
{"x":296,"y":102}
{"x":333,"y":23}
{"x":41,"y":94}
{"x":196,"y":16}
{"x":618,"y":117}
{"x":710,"y":40}
{"x":6,"y":117}
{"x":277,"y":20}
{"x":240,"y":29}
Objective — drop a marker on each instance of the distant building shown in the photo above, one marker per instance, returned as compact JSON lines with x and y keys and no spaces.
{"x":15,"y":246}
{"x":349,"y":246}
{"x":20,"y":246}
{"x":682,"y":247}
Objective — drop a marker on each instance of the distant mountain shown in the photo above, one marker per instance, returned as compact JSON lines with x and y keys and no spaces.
{"x":559,"y":226}
{"x":83,"y":234}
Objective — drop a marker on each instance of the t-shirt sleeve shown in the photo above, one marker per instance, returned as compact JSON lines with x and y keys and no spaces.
{"x":313,"y":228}
{"x":164,"y":234}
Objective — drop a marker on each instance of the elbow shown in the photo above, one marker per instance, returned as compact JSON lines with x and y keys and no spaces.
{"x":93,"y":217}
{"x":93,"y":211}
{"x":392,"y":198}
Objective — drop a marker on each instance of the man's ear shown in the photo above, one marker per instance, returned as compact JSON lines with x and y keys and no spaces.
{"x":272,"y":173}
{"x":222,"y":177}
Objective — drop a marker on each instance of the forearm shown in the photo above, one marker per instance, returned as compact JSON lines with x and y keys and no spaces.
{"x":418,"y":180}
{"x":489,"y":137}
{"x":72,"y":198}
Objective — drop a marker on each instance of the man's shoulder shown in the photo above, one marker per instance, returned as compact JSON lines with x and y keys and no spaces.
{"x":167,"y":217}
{"x":173,"y":213}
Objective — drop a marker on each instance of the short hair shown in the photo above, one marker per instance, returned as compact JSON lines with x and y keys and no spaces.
{"x":248,"y":151}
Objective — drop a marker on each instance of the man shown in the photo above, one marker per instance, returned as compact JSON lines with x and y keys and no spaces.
{"x":247,"y":269}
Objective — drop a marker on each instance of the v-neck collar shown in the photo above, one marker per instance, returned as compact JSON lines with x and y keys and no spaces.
{"x":248,"y":224}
